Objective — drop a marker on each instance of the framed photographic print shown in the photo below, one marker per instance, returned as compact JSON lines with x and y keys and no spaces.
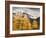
{"x":24,"y":18}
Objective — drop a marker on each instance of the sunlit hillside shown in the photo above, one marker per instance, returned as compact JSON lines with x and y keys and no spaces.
{"x":21,"y":21}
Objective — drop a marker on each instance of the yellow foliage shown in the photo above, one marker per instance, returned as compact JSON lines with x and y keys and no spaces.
{"x":21,"y":23}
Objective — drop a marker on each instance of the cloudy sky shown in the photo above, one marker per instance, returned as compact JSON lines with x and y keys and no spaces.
{"x":35,"y":12}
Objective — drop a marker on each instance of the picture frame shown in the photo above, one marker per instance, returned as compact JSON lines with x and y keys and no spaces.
{"x":10,"y":6}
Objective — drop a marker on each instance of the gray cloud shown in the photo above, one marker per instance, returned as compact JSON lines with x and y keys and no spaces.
{"x":35,"y":12}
